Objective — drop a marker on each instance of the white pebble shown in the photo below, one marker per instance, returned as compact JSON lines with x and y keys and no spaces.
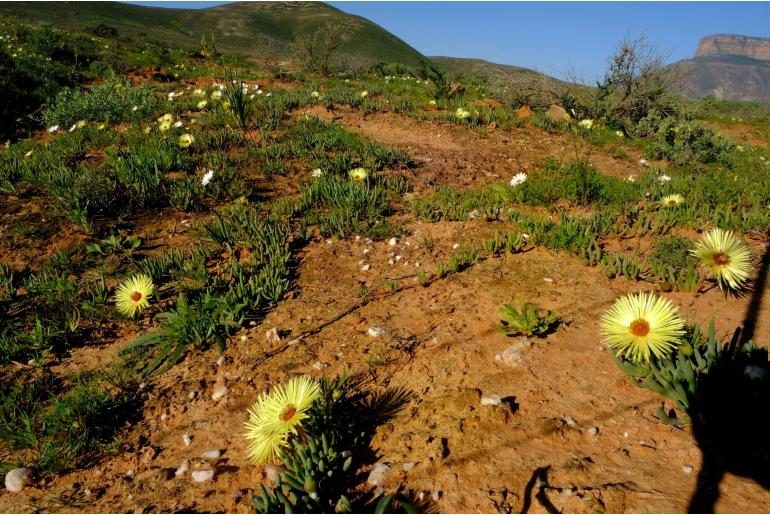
{"x":182,"y":468}
{"x":409,"y":466}
{"x":211,"y":455}
{"x":378,"y":473}
{"x":456,"y":246}
{"x":687,"y":469}
{"x":392,"y":241}
{"x":220,"y":390}
{"x":200,"y":476}
{"x":375,"y":331}
{"x":593,"y":430}
{"x":491,"y":400}
{"x":17,"y":479}
{"x":192,"y":395}
{"x":625,"y":434}
{"x":187,"y":439}
{"x":366,"y":267}
{"x":221,"y":359}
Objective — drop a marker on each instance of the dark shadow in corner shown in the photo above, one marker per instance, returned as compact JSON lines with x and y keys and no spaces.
{"x":540,"y":475}
{"x":730,"y":411}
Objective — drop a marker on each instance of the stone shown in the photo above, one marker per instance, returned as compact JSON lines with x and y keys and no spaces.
{"x":409,"y":466}
{"x":366,"y":267}
{"x":220,"y":390}
{"x":513,"y":355}
{"x":272,"y":337}
{"x":187,"y":439}
{"x":392,"y":241}
{"x":557,"y":113}
{"x":593,"y":431}
{"x":273,"y":472}
{"x":374,"y":332}
{"x":183,"y":468}
{"x":687,"y":469}
{"x":491,"y":400}
{"x":17,"y":479}
{"x":201,"y":476}
{"x":378,"y":474}
{"x":524,"y":112}
{"x":211,"y":455}
{"x":221,"y":359}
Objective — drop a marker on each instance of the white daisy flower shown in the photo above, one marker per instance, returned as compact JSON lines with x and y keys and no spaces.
{"x":664,"y":178}
{"x":207,"y":177}
{"x":177,"y":124}
{"x":316,"y":173}
{"x":53,"y":128}
{"x":518,"y":179}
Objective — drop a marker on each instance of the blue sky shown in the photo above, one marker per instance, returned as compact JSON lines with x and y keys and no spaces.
{"x":552,"y":37}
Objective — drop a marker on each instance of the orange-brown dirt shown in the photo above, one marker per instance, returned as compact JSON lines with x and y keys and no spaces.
{"x":573,"y":434}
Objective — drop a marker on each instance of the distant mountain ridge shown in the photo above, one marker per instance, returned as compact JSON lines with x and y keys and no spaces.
{"x":254,"y":29}
{"x":729,"y":67}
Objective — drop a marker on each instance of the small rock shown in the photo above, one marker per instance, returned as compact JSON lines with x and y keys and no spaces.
{"x":392,"y":241}
{"x":474,"y":214}
{"x":547,"y":279}
{"x":164,"y":415}
{"x":221,"y":360}
{"x":687,"y":469}
{"x":513,"y":355}
{"x":17,"y":479}
{"x":593,"y":430}
{"x":491,"y":400}
{"x":211,"y":455}
{"x":366,"y":267}
{"x":626,"y":434}
{"x":192,"y":395}
{"x":378,"y":474}
{"x":244,"y":337}
{"x":374,"y":332}
{"x":272,"y":337}
{"x":220,"y":390}
{"x":570,"y":422}
{"x":273,"y":472}
{"x":182,"y":468}
{"x":319,"y":366}
{"x":187,"y":439}
{"x":409,"y":466}
{"x":456,"y":246}
{"x":435,"y":496}
{"x":201,"y":476}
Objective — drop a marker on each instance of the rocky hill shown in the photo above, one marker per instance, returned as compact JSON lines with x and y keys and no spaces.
{"x":729,"y":67}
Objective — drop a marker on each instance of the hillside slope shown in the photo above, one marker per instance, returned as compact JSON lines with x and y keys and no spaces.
{"x":255,"y":29}
{"x":729,"y":67}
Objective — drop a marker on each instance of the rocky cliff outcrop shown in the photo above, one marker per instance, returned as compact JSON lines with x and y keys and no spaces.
{"x":727,"y":44}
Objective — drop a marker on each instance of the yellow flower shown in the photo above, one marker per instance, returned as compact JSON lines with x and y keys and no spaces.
{"x":729,"y":258}
{"x":226,"y":104}
{"x":277,"y":415}
{"x":133,"y":295}
{"x":315,"y":94}
{"x":672,"y":200}
{"x":168,"y":117}
{"x":216,"y":95}
{"x":101,"y":126}
{"x":642,"y":325}
{"x":364,"y":94}
{"x":620,"y":134}
{"x":198,"y":92}
{"x":462,"y":113}
{"x":358,"y":174}
{"x":202,"y":104}
{"x":164,"y":126}
{"x":432,"y":102}
{"x":586,"y":124}
{"x":80,"y":124}
{"x":185,"y":140}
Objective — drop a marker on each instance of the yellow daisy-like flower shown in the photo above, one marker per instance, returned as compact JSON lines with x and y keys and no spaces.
{"x":432,"y":102}
{"x":586,"y":124}
{"x":202,"y":104}
{"x":277,"y":415}
{"x":315,"y":94}
{"x":672,"y":200}
{"x":226,"y":104}
{"x":166,"y":118}
{"x":462,"y":113}
{"x":133,"y":294}
{"x":185,"y":140}
{"x":729,"y":258}
{"x":642,"y":325}
{"x":358,"y":174}
{"x":216,"y":95}
{"x":364,"y":94}
{"x":198,"y":92}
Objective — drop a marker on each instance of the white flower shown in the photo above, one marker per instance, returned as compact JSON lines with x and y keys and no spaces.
{"x":134,"y":108}
{"x":216,"y":95}
{"x":586,"y":124}
{"x":664,"y":178}
{"x":74,"y":126}
{"x":207,"y":177}
{"x":619,"y":134}
{"x":316,"y":173}
{"x":518,"y":179}
{"x":631,"y":178}
{"x":177,"y":124}
{"x":53,"y":128}
{"x":202,"y":104}
{"x":251,"y":97}
{"x":269,"y":95}
{"x":259,"y":92}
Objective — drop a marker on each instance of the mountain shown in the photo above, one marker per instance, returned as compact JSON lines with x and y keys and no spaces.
{"x":729,"y":67}
{"x":493,"y":72}
{"x":254,"y":29}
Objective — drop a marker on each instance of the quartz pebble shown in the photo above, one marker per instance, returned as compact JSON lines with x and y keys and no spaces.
{"x":272,"y":336}
{"x":182,"y":468}
{"x":201,"y":476}
{"x":491,"y":400}
{"x":17,"y":479}
{"x":593,"y":430}
{"x":187,"y":439}
{"x":374,"y":331}
{"x":377,"y":474}
{"x":409,"y":466}
{"x":513,"y":355}
{"x":392,"y":241}
{"x":687,"y":469}
{"x":211,"y":455}
{"x":366,"y":267}
{"x":220,"y":390}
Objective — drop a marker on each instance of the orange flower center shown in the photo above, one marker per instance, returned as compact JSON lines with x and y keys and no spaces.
{"x":288,"y":413}
{"x":640,"y":327}
{"x":136,"y":296}
{"x":721,"y":259}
